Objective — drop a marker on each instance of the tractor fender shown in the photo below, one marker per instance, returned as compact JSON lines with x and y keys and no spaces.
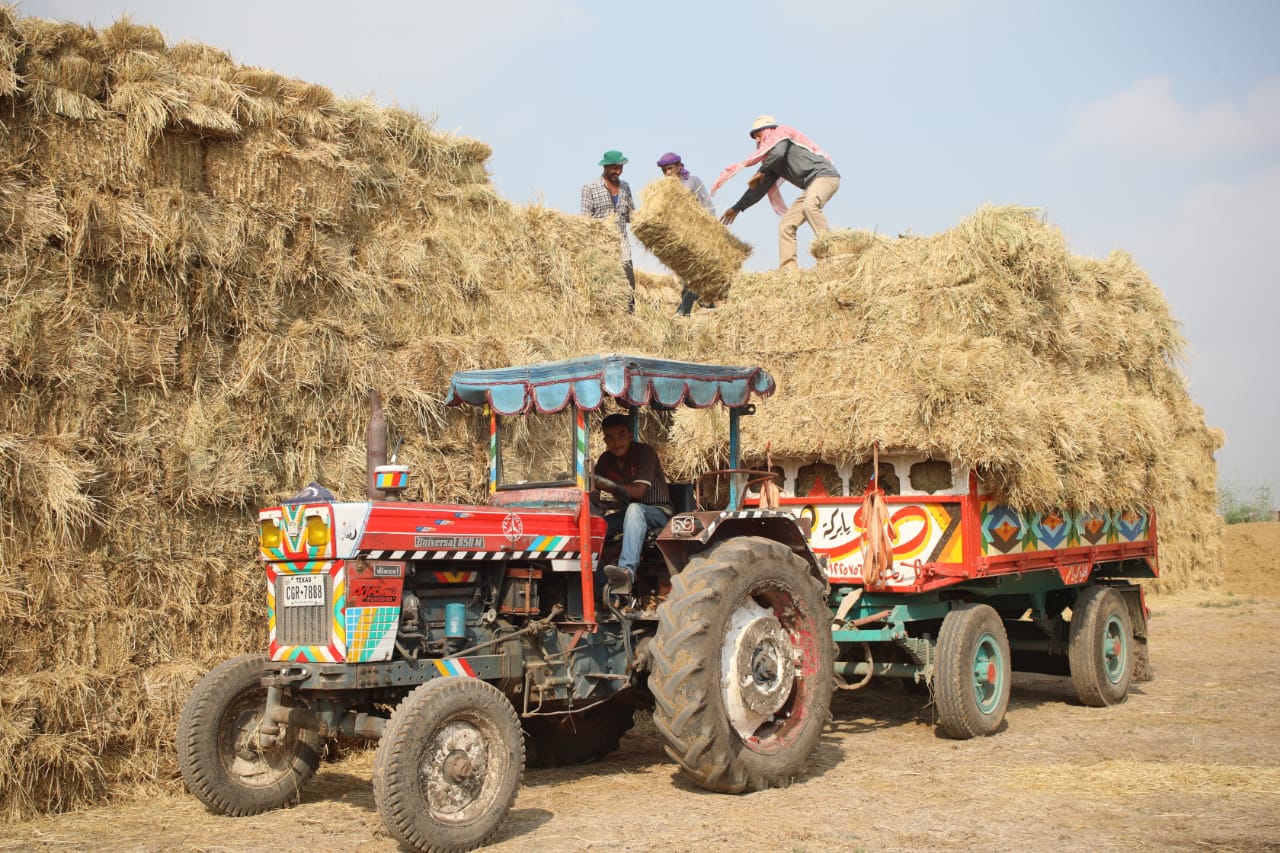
{"x":691,"y":533}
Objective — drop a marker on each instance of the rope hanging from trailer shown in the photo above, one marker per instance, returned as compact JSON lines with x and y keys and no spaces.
{"x":770,"y":494}
{"x":878,"y":532}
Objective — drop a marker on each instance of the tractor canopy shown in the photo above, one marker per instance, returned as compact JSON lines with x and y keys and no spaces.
{"x":632,"y":381}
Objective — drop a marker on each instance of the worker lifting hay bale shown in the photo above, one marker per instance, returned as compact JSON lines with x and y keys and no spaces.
{"x":688,"y":239}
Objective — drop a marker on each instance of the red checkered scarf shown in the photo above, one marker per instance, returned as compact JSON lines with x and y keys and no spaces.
{"x":768,"y":138}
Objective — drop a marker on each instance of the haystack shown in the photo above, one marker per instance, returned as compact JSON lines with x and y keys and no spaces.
{"x":203,"y":270}
{"x":688,"y":239}
{"x":205,"y":267}
{"x":1055,"y":377}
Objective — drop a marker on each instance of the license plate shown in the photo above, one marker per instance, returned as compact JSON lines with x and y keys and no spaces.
{"x":303,"y":590}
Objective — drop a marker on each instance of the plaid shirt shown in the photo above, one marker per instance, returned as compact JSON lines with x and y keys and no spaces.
{"x":597,"y":202}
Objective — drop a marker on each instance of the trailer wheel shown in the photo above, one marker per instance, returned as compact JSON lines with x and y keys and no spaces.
{"x":448,"y":765}
{"x":742,"y":666}
{"x":971,"y":681}
{"x":222,"y":760}
{"x":565,"y":740}
{"x":1100,"y":647}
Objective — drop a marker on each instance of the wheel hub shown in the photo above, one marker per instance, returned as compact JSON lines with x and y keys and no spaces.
{"x":764,"y":668}
{"x":245,"y":756}
{"x":457,"y":767}
{"x":759,"y":668}
{"x":454,"y":767}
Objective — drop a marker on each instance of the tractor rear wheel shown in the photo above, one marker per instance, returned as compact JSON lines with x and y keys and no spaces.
{"x":222,"y":759}
{"x":448,"y":765}
{"x":973,"y":672}
{"x":1100,"y":647}
{"x":742,"y":666}
{"x":565,"y":740}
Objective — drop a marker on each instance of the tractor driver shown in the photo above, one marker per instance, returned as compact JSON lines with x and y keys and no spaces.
{"x":632,"y":473}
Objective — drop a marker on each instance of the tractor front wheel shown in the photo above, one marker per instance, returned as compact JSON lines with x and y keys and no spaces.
{"x":223,"y":760}
{"x":742,"y":666}
{"x":448,"y":765}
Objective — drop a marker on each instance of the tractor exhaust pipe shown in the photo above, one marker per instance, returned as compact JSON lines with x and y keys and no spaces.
{"x":375,"y":446}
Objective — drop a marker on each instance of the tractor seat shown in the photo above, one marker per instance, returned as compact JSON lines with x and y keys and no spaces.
{"x":681,"y":497}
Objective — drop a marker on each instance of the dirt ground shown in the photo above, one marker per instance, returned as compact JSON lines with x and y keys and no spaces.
{"x":1190,"y":762}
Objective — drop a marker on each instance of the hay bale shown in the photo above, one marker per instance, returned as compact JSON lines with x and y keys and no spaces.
{"x":64,"y":69}
{"x":11,"y":44}
{"x":842,"y":244}
{"x":688,"y":239}
{"x":126,"y":37}
{"x":267,"y":171}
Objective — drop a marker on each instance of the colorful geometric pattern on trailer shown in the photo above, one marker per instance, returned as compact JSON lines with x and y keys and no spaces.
{"x":943,"y":539}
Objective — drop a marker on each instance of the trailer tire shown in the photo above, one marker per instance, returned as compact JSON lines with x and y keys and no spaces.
{"x":566,"y":740}
{"x":448,"y":765}
{"x":1100,"y":647}
{"x":222,"y":762}
{"x":973,"y":673}
{"x":742,"y":666}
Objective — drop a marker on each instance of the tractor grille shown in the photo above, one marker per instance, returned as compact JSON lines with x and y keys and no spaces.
{"x":303,"y":626}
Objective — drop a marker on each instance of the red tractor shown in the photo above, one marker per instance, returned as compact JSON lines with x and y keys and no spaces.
{"x":466,"y":639}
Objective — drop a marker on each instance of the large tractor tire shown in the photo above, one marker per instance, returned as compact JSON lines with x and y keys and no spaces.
{"x":742,"y":666}
{"x":566,"y":740}
{"x":222,"y":760}
{"x":1100,"y":647}
{"x":448,"y":765}
{"x":973,"y":673}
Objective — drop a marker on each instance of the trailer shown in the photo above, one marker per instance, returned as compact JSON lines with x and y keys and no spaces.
{"x":937,"y":581}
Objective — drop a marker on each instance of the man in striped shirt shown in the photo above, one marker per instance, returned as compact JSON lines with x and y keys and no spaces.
{"x":610,"y":196}
{"x":632,"y":473}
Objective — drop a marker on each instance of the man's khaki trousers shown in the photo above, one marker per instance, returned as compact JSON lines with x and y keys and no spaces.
{"x":807,"y":208}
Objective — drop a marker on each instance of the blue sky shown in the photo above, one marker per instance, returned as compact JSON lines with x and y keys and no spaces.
{"x":1152,"y":127}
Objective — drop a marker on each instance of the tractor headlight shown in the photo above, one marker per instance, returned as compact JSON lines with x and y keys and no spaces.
{"x":317,"y":532}
{"x":268,"y":534}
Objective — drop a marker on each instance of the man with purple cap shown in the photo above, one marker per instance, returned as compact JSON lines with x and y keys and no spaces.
{"x":610,"y":196}
{"x":670,"y":164}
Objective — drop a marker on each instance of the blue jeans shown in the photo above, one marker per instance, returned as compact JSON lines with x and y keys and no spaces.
{"x":634,"y":522}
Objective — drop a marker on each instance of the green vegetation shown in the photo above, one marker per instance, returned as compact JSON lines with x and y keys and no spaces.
{"x":1236,"y":506}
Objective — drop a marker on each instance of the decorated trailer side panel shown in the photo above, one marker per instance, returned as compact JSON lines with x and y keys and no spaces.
{"x":960,"y":533}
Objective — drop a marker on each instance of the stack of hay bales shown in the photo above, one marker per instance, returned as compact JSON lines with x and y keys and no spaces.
{"x":1054,"y":376}
{"x":688,"y":238}
{"x":205,"y":267}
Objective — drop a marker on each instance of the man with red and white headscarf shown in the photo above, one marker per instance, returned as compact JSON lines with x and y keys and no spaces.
{"x":784,"y":152}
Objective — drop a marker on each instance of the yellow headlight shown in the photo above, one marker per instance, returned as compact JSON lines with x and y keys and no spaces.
{"x":317,"y":532}
{"x":268,"y":534}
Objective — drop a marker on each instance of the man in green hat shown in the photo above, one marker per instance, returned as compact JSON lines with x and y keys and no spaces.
{"x":610,"y":196}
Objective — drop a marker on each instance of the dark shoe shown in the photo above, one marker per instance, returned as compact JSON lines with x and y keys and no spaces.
{"x":620,"y":579}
